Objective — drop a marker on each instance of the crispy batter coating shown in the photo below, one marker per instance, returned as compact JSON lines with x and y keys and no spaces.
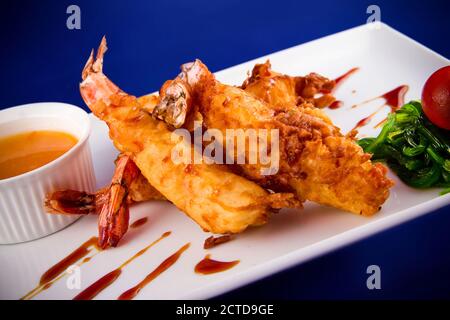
{"x":316,"y":160}
{"x":217,"y":199}
{"x":141,"y":190}
{"x":283,"y":91}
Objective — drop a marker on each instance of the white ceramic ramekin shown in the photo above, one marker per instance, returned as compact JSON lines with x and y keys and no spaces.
{"x":22,"y":214}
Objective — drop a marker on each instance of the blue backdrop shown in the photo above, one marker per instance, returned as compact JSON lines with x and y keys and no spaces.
{"x":41,"y":61}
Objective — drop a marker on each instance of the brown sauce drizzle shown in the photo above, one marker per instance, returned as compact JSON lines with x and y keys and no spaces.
{"x":215,"y":241}
{"x":336,"y":104}
{"x":62,"y":265}
{"x":166,"y":264}
{"x":139,"y":223}
{"x":47,"y":285}
{"x":364,"y":121}
{"x":343,"y":77}
{"x":98,"y":286}
{"x":57,"y":270}
{"x":338,"y":81}
{"x":394,"y":99}
{"x":209,"y":266}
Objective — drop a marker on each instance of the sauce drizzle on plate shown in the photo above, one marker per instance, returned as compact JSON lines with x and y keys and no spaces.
{"x":139,"y":223}
{"x":166,"y":264}
{"x":338,"y":81}
{"x":58,"y":270}
{"x":394,"y":99}
{"x":336,"y":104}
{"x":209,"y":266}
{"x":105,"y":281}
{"x":343,"y":77}
{"x":81,"y":252}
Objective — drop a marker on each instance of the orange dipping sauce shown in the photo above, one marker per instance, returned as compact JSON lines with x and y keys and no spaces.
{"x":27,"y":151}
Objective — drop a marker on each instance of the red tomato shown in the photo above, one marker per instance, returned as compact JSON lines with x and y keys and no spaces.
{"x":436,"y":98}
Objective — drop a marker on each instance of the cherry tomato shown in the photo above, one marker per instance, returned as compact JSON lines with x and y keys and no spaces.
{"x":436,"y":98}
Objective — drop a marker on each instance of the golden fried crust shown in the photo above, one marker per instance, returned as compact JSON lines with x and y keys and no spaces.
{"x":141,"y":190}
{"x":218,"y":200}
{"x":277,"y":90}
{"x":337,"y":173}
{"x":283,"y":92}
{"x":316,"y":160}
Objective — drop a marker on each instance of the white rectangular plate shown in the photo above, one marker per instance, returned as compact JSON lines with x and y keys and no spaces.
{"x":386,"y":59}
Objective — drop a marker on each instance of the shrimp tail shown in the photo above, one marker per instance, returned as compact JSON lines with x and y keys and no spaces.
{"x":114,"y":216}
{"x":72,"y":202}
{"x":96,"y":89}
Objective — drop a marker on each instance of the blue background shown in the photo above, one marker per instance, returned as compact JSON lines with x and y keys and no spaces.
{"x":41,"y":60}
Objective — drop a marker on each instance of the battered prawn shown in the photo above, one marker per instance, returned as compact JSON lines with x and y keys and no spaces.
{"x":219,"y":200}
{"x":317,"y":162}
